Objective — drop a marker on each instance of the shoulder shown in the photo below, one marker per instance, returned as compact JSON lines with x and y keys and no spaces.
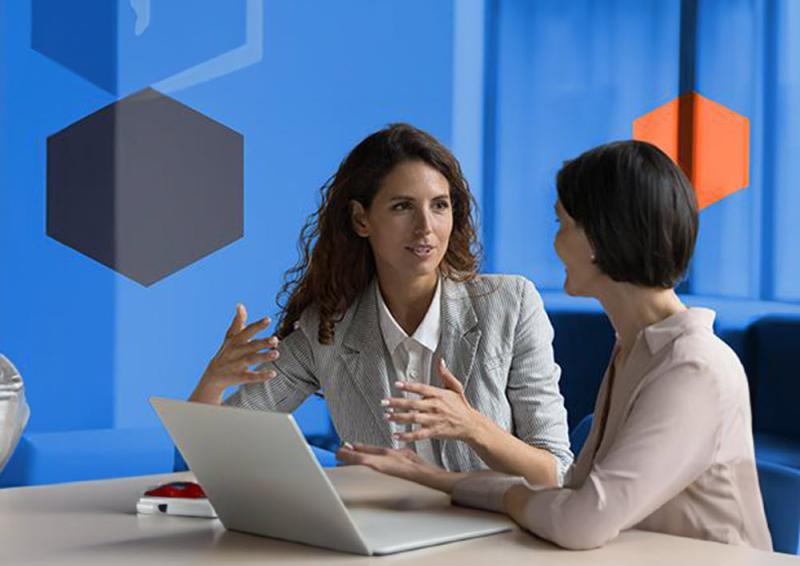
{"x":501,"y":303}
{"x":498,"y":290}
{"x":714,"y":359}
{"x":701,"y":366}
{"x":308,"y":324}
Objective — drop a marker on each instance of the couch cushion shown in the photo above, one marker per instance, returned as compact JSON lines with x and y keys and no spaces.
{"x":780,"y":490}
{"x":775,"y":345}
{"x":583,"y":343}
{"x":778,"y":450}
{"x":56,"y":457}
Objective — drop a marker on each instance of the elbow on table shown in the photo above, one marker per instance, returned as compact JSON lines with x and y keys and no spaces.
{"x":583,"y":536}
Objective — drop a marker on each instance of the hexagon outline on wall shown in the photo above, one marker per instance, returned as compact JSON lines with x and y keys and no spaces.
{"x":146,"y":186}
{"x":709,"y":141}
{"x":85,"y":38}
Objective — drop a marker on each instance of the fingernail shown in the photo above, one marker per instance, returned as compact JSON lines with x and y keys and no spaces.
{"x":387,"y":416}
{"x":272,"y":373}
{"x":400,"y":384}
{"x":444,"y":363}
{"x":396,"y":435}
{"x":265,"y":320}
{"x":348,"y":446}
{"x":275,"y":354}
{"x":384,"y":402}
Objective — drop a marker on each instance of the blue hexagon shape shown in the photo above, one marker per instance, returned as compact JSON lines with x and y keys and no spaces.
{"x":125,"y":45}
{"x":145,"y":186}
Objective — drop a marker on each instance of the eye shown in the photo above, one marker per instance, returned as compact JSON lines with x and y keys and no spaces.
{"x":441,"y":204}
{"x":402,"y":205}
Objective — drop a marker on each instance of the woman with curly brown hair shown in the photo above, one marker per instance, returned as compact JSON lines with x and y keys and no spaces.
{"x":387,"y":314}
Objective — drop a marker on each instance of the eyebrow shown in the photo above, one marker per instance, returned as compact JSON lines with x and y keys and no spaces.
{"x":407,"y":197}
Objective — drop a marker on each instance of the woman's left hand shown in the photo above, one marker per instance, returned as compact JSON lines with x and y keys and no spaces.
{"x":441,"y":412}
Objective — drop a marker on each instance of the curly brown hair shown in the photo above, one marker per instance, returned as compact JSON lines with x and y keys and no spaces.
{"x":336,"y":265}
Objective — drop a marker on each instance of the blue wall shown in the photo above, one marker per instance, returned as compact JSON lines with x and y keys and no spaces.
{"x":93,"y":345}
{"x":513,"y":86}
{"x":571,"y":75}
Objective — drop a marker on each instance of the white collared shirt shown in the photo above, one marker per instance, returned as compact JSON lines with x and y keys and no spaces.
{"x":412,"y":356}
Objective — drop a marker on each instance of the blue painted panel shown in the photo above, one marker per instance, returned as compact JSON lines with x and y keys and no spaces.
{"x":748,"y":54}
{"x":469,"y":82}
{"x":158,"y":39}
{"x":783,"y":145}
{"x":57,"y":307}
{"x":126,"y":45}
{"x":570,"y":76}
{"x":81,"y":36}
{"x":728,"y":254}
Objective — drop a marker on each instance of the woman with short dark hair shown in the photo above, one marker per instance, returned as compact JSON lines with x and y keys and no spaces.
{"x":386,"y":290}
{"x":671,"y":448}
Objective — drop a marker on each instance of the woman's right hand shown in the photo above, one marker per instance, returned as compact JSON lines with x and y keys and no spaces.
{"x":231,"y":364}
{"x":405,"y":464}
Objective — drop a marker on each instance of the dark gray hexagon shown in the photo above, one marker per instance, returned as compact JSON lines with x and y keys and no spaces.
{"x":145,"y":186}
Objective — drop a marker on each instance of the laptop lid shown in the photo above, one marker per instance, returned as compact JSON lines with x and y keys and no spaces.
{"x":262,"y":478}
{"x":260,"y":474}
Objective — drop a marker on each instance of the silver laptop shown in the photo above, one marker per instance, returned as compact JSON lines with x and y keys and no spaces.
{"x":262,"y":478}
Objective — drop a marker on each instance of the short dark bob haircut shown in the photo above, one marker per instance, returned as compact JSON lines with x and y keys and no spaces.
{"x":638,"y":209}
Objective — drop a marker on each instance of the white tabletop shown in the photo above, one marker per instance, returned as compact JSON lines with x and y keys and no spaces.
{"x":95,"y":523}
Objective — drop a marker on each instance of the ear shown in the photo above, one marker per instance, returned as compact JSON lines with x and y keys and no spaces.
{"x":358,"y":218}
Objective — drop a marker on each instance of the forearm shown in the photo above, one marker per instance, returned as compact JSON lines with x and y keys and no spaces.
{"x":438,"y":478}
{"x":207,"y":393}
{"x":503,"y":452}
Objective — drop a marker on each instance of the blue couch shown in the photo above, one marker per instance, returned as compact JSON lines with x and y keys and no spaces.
{"x":55,"y":457}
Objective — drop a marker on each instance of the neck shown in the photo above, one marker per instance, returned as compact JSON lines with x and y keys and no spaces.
{"x":408,"y":299}
{"x":631,"y":308}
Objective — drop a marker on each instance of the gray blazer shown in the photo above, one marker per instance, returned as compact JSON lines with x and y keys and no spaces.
{"x":495,"y":337}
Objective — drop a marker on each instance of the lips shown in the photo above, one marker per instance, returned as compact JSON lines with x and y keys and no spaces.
{"x":421,"y":250}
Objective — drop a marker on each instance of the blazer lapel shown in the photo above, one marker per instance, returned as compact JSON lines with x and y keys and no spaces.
{"x":364,"y":356}
{"x":460,"y":334}
{"x":458,"y":344}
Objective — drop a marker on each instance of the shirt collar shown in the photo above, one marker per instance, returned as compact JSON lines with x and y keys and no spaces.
{"x":427,"y":333}
{"x":663,"y":332}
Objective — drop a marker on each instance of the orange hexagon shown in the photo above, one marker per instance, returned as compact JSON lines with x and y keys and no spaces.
{"x":710,"y":142}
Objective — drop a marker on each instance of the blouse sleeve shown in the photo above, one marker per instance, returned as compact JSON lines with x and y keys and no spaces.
{"x":667,"y":441}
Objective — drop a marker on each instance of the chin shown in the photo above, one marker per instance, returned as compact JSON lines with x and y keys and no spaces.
{"x":571,"y":290}
{"x":423,"y":269}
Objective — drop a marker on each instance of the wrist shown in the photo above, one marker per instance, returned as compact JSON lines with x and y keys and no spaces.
{"x":207,"y":391}
{"x":514,"y":500}
{"x":480,"y":432}
{"x":443,"y":480}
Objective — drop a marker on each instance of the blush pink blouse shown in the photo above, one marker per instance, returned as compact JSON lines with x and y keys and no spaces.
{"x":670,"y":450}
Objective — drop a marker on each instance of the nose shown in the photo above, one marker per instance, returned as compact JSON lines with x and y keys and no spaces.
{"x":423,"y":223}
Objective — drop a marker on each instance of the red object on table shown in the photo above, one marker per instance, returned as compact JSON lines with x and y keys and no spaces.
{"x":184,"y":489}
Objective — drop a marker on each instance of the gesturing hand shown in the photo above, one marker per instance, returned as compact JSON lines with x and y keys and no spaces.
{"x":239,"y":351}
{"x":403,"y":463}
{"x":441,"y":412}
